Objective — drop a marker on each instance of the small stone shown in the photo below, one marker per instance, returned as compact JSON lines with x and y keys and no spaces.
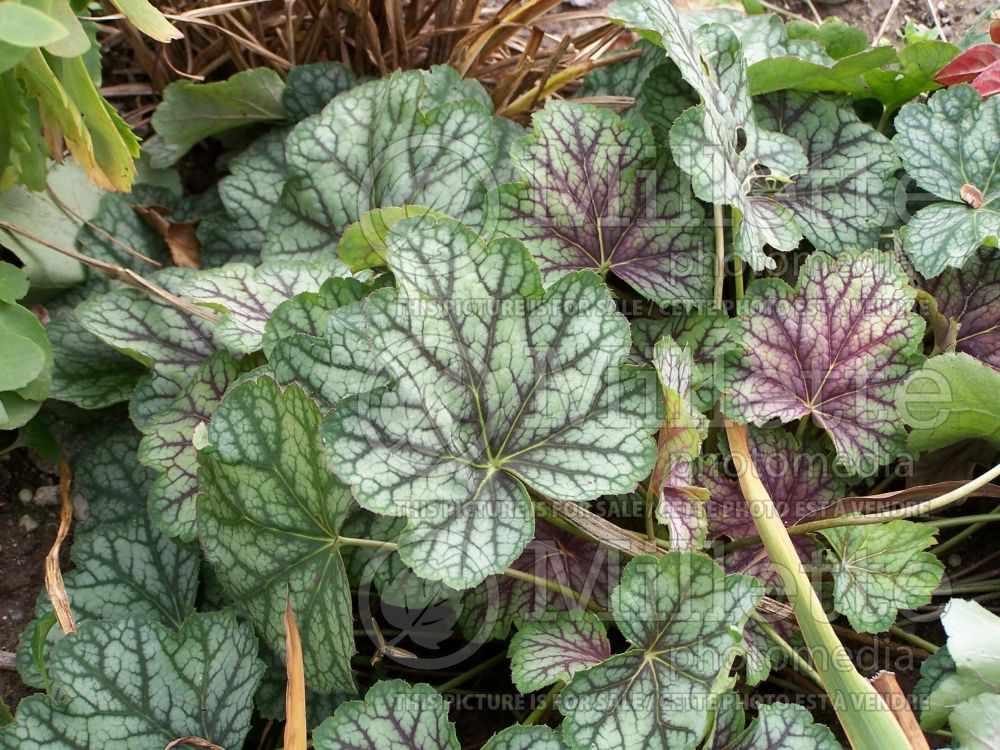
{"x":46,"y":496}
{"x":25,"y":495}
{"x":27,"y":523}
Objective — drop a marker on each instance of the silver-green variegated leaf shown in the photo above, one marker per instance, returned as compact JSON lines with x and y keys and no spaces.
{"x":318,"y":341}
{"x":783,"y":726}
{"x":130,"y":569}
{"x":683,"y":616}
{"x":415,"y":137}
{"x":555,"y":648}
{"x":595,"y":194}
{"x":310,"y":87}
{"x":393,"y":714}
{"x":879,"y":569}
{"x":498,"y":386}
{"x":269,"y":516}
{"x":948,"y":146}
{"x":719,"y":143}
{"x":128,"y":684}
{"x":172,"y":342}
{"x":836,"y":349}
{"x":168,"y":445}
{"x":247,"y":295}
{"x":86,"y":371}
{"x":847,"y":195}
{"x":108,"y":477}
{"x":248,"y":195}
{"x":519,"y":737}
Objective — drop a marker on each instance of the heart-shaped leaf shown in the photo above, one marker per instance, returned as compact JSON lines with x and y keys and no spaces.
{"x":683,"y":617}
{"x":836,"y":349}
{"x":126,"y":684}
{"x":269,"y":515}
{"x":948,"y":146}
{"x":595,"y":195}
{"x":550,"y":650}
{"x":846,"y":196}
{"x":478,"y":411}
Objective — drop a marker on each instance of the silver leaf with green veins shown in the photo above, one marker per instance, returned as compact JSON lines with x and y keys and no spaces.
{"x":683,"y":616}
{"x":269,"y":515}
{"x":130,"y":684}
{"x":949,"y":146}
{"x":497,"y":386}
{"x":879,"y":569}
{"x":419,"y":137}
{"x":718,"y":143}
{"x":392,"y":715}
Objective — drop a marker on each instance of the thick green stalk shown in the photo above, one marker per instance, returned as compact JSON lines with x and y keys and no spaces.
{"x":867,"y":720}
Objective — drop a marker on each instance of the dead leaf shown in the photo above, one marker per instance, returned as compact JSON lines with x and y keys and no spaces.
{"x":180,"y":236}
{"x":887,"y":686}
{"x":295,"y":692}
{"x":53,"y":573}
{"x":972,"y":195}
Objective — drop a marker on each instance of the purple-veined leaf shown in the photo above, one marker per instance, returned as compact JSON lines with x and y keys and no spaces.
{"x":799,"y":484}
{"x":971,"y":297}
{"x":595,"y":195}
{"x":490,"y":609}
{"x":392,"y":715}
{"x":555,"y":648}
{"x":835,"y":349}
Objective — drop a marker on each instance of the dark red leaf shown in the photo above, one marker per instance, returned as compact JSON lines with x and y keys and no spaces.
{"x":988,"y":82}
{"x":968,"y":65}
{"x":995,"y":30}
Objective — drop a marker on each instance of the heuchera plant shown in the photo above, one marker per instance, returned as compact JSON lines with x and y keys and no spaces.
{"x":607,"y":401}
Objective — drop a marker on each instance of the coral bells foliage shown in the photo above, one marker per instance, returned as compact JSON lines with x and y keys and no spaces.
{"x":453,"y":390}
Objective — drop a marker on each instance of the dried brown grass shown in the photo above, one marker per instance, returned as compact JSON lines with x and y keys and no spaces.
{"x":522,"y":51}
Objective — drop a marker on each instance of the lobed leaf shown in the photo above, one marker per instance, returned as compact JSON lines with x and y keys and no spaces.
{"x":125,"y":684}
{"x":683,"y":617}
{"x":595,"y":195}
{"x":546,"y":651}
{"x":269,"y":517}
{"x":948,"y":146}
{"x":879,"y":569}
{"x":480,"y":408}
{"x":393,"y":714}
{"x":835,"y":349}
